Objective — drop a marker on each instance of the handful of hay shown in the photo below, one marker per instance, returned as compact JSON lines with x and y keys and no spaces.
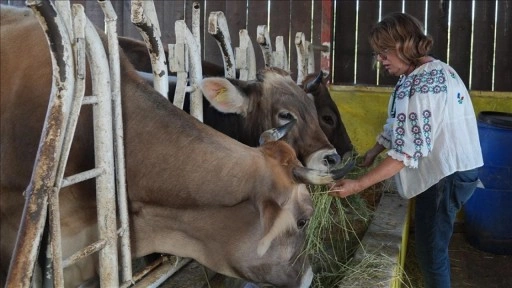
{"x":335,"y":230}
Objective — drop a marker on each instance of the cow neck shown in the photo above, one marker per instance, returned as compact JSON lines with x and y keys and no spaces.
{"x":159,"y":136}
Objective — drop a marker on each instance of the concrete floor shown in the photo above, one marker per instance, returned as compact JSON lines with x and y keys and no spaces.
{"x":470,"y":267}
{"x":475,"y":268}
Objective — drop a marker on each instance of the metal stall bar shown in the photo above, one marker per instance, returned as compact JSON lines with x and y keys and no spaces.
{"x":244,"y":57}
{"x":143,"y":15}
{"x":104,"y":156}
{"x":45,"y":167}
{"x":193,"y":58}
{"x":196,"y":22}
{"x":119,"y":160}
{"x":179,"y":59}
{"x":178,"y":63}
{"x":218,"y":28}
{"x":75,"y":27}
{"x":185,"y":60}
{"x":263,"y":39}
{"x":88,"y":42}
{"x":303,"y":55}
{"x":280,"y":57}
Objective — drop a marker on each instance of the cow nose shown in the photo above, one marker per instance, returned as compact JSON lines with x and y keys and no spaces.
{"x":332,"y":159}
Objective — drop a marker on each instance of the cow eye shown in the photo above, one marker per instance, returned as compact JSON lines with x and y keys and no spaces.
{"x":301,"y":223}
{"x":286,"y":116}
{"x":328,"y":120}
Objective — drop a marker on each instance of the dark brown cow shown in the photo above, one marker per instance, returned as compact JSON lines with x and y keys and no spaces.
{"x":264,"y":109}
{"x":193,"y":192}
{"x":328,"y":114}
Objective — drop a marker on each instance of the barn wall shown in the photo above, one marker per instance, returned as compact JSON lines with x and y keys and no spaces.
{"x":467,"y":45}
{"x":464,"y":33}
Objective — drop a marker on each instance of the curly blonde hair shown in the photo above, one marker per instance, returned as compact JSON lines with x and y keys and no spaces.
{"x":404,"y":34}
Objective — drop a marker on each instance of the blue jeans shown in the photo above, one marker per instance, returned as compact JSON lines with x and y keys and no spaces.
{"x":435,"y":212}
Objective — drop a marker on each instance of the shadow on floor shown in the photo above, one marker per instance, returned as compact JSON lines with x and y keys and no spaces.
{"x":470,"y":267}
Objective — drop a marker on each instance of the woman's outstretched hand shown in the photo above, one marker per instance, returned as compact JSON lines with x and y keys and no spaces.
{"x":345,"y":187}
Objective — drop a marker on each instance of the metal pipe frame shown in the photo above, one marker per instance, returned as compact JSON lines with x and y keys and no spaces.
{"x":218,"y":28}
{"x":263,"y":39}
{"x":43,"y":178}
{"x":104,"y":156}
{"x":119,"y":158}
{"x":245,"y":58}
{"x":143,"y":16}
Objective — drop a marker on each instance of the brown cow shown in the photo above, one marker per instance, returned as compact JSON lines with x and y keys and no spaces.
{"x":263,"y":109}
{"x":328,"y":114}
{"x":193,"y":192}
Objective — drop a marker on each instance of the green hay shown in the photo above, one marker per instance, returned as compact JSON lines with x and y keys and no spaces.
{"x":335,"y":230}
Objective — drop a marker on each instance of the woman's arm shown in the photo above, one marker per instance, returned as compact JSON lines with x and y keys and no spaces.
{"x":387,"y":168}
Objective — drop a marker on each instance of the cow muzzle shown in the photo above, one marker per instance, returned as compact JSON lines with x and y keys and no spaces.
{"x":323,"y":160}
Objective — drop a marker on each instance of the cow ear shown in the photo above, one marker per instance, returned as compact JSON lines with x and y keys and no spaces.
{"x":276,"y":221}
{"x":224,"y":96}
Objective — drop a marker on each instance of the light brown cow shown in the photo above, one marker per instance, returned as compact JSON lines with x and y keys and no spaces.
{"x":193,"y":192}
{"x":271,"y":100}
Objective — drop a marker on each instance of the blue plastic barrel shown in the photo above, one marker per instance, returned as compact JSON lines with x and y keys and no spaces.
{"x":488,"y":213}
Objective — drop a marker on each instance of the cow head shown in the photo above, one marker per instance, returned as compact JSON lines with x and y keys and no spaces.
{"x":271,"y":101}
{"x":328,"y":114}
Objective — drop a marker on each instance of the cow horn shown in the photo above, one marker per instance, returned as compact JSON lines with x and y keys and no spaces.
{"x":314,"y":83}
{"x":340,"y":173}
{"x":311,"y":176}
{"x":275,"y":134}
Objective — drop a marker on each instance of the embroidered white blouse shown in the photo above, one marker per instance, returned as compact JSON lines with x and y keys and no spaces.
{"x":431,"y":127}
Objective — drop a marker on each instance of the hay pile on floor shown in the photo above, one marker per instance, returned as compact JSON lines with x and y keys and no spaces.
{"x":373,"y":266}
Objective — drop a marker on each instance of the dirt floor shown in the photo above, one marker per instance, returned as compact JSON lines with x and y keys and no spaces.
{"x":470,"y":267}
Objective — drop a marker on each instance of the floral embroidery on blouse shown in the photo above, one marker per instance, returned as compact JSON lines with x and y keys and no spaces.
{"x":433,"y":81}
{"x":421,"y":134}
{"x":459,"y":98}
{"x":399,"y":132}
{"x":427,"y":128}
{"x":412,"y":129}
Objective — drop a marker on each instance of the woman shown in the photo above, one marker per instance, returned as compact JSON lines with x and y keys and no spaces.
{"x":432,"y":140}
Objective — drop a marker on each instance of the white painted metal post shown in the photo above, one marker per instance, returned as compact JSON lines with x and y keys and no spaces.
{"x":50,"y":146}
{"x":104,"y":156}
{"x":196,"y":23}
{"x":76,"y":27}
{"x":263,"y":39}
{"x":120,"y":168}
{"x":196,"y":70}
{"x":244,"y":57}
{"x":178,"y":63}
{"x":311,"y":58}
{"x":302,"y":56}
{"x":90,"y":42}
{"x":280,"y":57}
{"x":143,"y":15}
{"x":218,"y":28}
